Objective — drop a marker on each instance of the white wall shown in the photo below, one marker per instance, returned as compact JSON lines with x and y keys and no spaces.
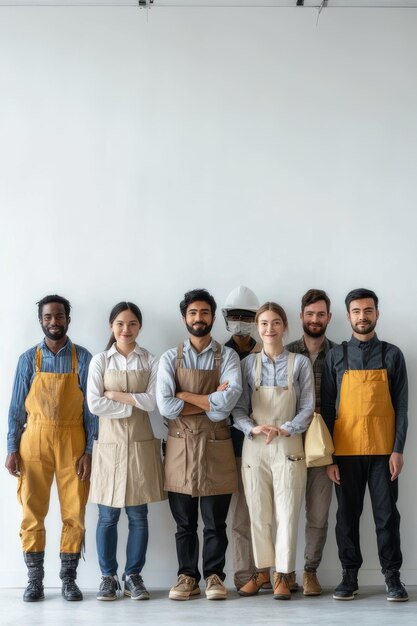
{"x":146,"y":153}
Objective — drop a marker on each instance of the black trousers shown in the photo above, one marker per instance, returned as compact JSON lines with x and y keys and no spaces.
{"x":214,"y":509}
{"x":355,"y":473}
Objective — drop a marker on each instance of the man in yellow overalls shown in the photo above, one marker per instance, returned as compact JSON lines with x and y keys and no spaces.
{"x":51,"y":433}
{"x":364,"y":402}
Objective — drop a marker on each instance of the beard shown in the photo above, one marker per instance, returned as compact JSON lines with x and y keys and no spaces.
{"x":202,"y":330}
{"x":59,"y":333}
{"x":315,"y":333}
{"x":366,"y":330}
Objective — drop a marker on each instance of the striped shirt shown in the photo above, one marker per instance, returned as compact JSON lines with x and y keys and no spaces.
{"x":60,"y":363}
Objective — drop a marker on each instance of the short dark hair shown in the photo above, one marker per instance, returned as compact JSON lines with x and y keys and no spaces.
{"x":314,"y":295}
{"x":54,"y":298}
{"x":360,"y":294}
{"x":116,"y":310}
{"x":193,"y":296}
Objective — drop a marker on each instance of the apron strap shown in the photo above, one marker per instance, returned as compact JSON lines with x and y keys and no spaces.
{"x":180,"y":355}
{"x":345,"y":356}
{"x":217,"y":356}
{"x":74,"y":360}
{"x":258,"y":370}
{"x":290,"y":368}
{"x":38,"y":359}
{"x":383,"y":351}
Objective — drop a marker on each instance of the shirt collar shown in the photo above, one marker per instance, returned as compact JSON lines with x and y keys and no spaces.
{"x":266,"y":359}
{"x":113,"y":350}
{"x":364,"y":344}
{"x":301,"y":345}
{"x":187,"y":347}
{"x":65,"y":348}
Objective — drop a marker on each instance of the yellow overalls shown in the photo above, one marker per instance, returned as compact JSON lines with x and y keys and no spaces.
{"x":52,"y":443}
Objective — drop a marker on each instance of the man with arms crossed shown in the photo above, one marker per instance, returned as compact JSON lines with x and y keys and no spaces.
{"x":198,"y":384}
{"x":315,"y":316}
{"x":364,"y":403}
{"x":51,"y":432}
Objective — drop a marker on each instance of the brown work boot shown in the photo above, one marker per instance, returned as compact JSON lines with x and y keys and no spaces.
{"x":281,"y":587}
{"x":311,"y":585}
{"x":256,"y":582}
{"x":292,"y":582}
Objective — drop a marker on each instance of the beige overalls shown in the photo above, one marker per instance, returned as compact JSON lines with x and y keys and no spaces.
{"x":274,"y":475}
{"x":127,"y":466}
{"x":52,"y":443}
{"x":199,"y":455}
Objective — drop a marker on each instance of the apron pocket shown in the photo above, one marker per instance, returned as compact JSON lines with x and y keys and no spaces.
{"x":146,"y":472}
{"x":175,"y":463}
{"x":295,"y":472}
{"x":221,"y":473}
{"x":103,"y":472}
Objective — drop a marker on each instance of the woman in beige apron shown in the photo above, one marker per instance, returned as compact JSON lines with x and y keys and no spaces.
{"x":126,"y":468}
{"x":275,"y":408}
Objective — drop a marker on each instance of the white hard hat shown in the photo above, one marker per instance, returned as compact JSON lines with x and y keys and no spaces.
{"x":241,"y":298}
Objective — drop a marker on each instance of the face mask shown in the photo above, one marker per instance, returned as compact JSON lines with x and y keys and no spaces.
{"x":242,"y":329}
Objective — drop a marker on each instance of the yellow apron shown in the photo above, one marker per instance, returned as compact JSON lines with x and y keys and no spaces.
{"x":365,"y":422}
{"x":274,"y":475}
{"x":127,"y":466}
{"x":52,"y":443}
{"x":199,"y":457}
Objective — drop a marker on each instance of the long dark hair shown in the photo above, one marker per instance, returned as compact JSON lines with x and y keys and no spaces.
{"x":116,"y":310}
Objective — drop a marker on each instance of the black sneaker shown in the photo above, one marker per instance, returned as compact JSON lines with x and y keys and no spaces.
{"x":108,"y":589}
{"x":348,"y":588}
{"x":135,"y":588}
{"x":396,"y":591}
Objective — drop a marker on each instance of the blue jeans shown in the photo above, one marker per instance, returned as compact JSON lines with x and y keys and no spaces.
{"x":106,"y":538}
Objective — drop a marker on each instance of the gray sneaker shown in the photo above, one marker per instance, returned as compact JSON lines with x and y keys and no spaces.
{"x":135,"y":588}
{"x":108,"y":589}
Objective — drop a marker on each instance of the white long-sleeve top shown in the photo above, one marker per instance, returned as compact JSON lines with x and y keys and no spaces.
{"x":111,"y":359}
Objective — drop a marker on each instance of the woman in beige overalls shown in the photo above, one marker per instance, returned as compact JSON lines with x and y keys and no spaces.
{"x":278,"y":395}
{"x":126,"y":468}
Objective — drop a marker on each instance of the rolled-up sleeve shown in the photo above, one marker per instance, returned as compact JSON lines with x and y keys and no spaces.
{"x":304,"y":385}
{"x":147,"y":400}
{"x":169,"y":406}
{"x":89,"y":417}
{"x":222,"y":402}
{"x":97,"y":402}
{"x":241,"y":412}
{"x":17,"y":410}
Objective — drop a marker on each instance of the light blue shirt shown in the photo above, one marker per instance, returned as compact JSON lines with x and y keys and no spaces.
{"x":60,"y":363}
{"x":275,"y":373}
{"x":221,"y":402}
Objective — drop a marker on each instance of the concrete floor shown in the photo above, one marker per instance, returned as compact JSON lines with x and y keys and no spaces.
{"x":369,"y":608}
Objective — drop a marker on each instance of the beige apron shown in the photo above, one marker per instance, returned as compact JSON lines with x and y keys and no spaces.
{"x":199,"y":457}
{"x":127,"y":466}
{"x":274,"y":475}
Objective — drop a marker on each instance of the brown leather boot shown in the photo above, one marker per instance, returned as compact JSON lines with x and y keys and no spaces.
{"x":292,"y":582}
{"x":256,"y":582}
{"x":281,"y":586}
{"x":311,"y":585}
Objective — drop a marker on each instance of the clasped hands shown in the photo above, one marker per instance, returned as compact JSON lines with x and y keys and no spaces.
{"x":269,"y":431}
